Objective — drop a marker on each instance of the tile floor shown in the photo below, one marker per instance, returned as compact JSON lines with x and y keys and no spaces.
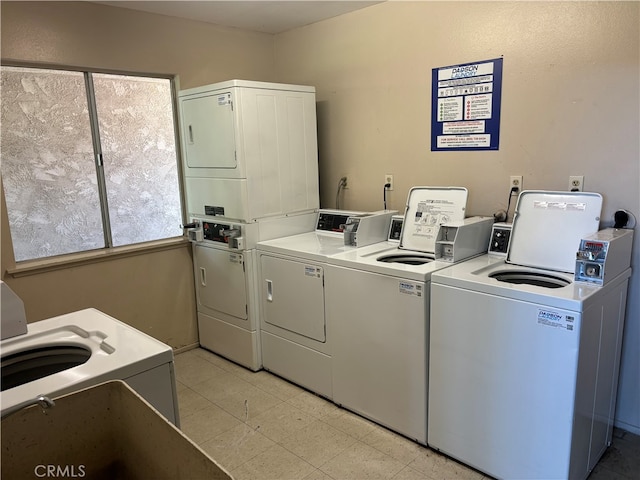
{"x":259,"y":426}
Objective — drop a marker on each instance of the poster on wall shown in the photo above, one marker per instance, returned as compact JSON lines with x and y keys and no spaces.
{"x":465,"y":106}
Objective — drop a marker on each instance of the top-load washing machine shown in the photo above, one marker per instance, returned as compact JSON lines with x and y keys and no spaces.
{"x":524,"y":359}
{"x":295,"y":341}
{"x":378,"y":305}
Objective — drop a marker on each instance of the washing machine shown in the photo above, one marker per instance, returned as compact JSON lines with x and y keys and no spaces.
{"x":523,"y":359}
{"x":294,"y":337}
{"x":377,"y":309}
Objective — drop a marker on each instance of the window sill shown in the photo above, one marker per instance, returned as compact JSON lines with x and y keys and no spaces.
{"x":34,"y":267}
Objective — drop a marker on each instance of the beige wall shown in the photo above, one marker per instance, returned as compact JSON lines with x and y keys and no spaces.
{"x":152,"y":291}
{"x":570,"y":106}
{"x":90,"y":35}
{"x":569,"y":102}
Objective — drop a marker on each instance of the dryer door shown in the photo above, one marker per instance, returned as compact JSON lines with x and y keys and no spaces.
{"x":292,"y":296}
{"x":209,"y":134}
{"x":220,"y":280}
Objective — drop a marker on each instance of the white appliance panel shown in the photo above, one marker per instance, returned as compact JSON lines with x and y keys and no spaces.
{"x":221,"y":334}
{"x":501,"y":383}
{"x":225,"y":196}
{"x":293,"y":296}
{"x":209,"y":134}
{"x":379,"y":332}
{"x":220,"y":280}
{"x":299,"y":178}
{"x":299,"y":363}
{"x":602,"y":333}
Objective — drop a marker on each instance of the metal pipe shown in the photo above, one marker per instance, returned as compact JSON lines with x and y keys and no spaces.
{"x":45,"y":403}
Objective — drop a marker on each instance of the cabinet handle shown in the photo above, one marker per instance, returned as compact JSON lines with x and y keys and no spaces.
{"x":203,"y":277}
{"x":190,"y":134}
{"x":269,"y":291}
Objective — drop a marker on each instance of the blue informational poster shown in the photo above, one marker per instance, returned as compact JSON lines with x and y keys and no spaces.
{"x":465,"y":106}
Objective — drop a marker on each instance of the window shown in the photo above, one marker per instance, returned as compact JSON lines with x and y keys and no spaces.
{"x":88,"y":160}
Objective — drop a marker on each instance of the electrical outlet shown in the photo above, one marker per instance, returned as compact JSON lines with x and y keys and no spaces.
{"x":344,"y":183}
{"x":388,"y":178}
{"x":516,"y":181}
{"x":576,"y":183}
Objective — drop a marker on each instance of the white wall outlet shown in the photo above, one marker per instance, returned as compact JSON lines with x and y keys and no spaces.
{"x":388,"y":178}
{"x":516,"y":181}
{"x":576,"y":183}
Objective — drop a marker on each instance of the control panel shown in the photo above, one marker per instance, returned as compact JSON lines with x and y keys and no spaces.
{"x":603,"y":255}
{"x":395,"y":230}
{"x":229,"y":234}
{"x":213,"y":231}
{"x":332,"y":222}
{"x":500,"y":236}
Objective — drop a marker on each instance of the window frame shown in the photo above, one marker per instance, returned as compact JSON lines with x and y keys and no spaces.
{"x":108,"y":252}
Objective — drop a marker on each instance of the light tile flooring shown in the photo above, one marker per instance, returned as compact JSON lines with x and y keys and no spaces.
{"x":259,"y":426}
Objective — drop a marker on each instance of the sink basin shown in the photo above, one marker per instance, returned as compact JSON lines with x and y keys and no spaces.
{"x":104,"y":432}
{"x":80,"y":349}
{"x":29,"y":365}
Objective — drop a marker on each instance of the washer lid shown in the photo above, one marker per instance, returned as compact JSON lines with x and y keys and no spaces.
{"x":548,"y":226}
{"x":428,"y":208}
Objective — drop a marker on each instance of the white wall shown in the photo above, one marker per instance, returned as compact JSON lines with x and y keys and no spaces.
{"x":570,"y":106}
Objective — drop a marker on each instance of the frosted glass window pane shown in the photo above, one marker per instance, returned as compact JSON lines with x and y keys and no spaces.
{"x":48,"y":169}
{"x":135,"y":116}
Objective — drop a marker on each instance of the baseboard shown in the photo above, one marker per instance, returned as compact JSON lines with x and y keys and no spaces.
{"x":186,"y":348}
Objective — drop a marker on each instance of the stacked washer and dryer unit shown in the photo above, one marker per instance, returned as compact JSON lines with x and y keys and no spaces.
{"x":525,"y":348}
{"x":251,"y":173}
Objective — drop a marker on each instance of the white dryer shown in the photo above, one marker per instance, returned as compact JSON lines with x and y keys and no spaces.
{"x":224,"y":261}
{"x":294,"y":337}
{"x":377,"y":310}
{"x":524,"y":360}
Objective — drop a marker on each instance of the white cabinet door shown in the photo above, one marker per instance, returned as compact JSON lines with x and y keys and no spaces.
{"x":209,"y":133}
{"x":220,"y":280}
{"x":292,"y":296}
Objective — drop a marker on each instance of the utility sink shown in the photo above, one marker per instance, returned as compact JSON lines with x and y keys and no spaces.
{"x":104,"y":432}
